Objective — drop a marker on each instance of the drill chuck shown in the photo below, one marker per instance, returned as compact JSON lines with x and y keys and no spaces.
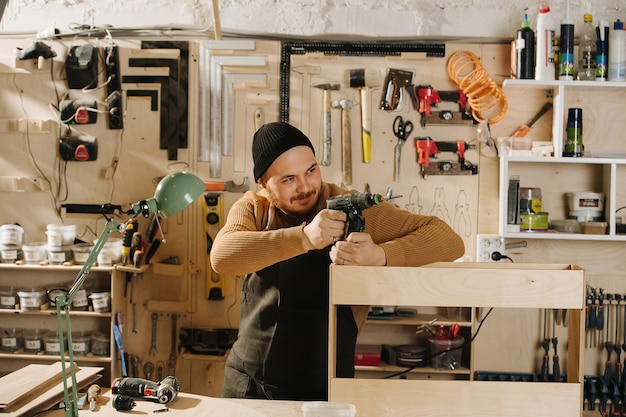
{"x":356,"y":201}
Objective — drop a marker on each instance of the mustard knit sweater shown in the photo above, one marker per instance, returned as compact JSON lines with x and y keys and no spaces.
{"x":257,"y":235}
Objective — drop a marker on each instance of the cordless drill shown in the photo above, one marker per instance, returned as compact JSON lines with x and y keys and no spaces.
{"x":164,"y":391}
{"x":353,"y":205}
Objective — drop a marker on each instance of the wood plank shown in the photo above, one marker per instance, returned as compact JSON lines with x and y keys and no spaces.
{"x":460,"y":284}
{"x":47,"y":397}
{"x":20,"y":384}
{"x":408,"y":398}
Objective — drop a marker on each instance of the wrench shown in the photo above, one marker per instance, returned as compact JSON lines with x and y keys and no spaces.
{"x":135,"y":318}
{"x":148,"y":368}
{"x":134,"y":366}
{"x":153,"y":349}
{"x":171,"y":362}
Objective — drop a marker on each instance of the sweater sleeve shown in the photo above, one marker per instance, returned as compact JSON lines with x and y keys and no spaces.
{"x":410,"y":239}
{"x":243,"y":246}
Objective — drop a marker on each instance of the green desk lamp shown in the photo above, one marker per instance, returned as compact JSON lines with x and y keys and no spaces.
{"x":173,"y":194}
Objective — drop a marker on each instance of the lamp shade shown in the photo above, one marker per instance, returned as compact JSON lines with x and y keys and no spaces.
{"x":176,"y":191}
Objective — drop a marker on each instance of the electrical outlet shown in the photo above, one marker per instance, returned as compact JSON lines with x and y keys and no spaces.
{"x":486,"y":245}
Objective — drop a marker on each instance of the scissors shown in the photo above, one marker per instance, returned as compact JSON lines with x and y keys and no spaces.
{"x":402,"y":130}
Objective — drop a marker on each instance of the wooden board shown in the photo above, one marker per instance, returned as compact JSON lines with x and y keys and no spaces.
{"x":21,"y":384}
{"x":46,"y":397}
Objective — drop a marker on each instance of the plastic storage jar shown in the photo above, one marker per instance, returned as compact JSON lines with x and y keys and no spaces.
{"x":53,"y":293}
{"x":33,"y":340}
{"x":111,"y":252}
{"x":9,"y":254}
{"x":61,"y":234}
{"x":81,"y":252}
{"x":52,"y":343}
{"x":32,"y":299}
{"x":11,"y":234}
{"x":100,"y":344}
{"x":81,"y":300}
{"x":101,"y":301}
{"x":58,"y":255}
{"x":81,"y":343}
{"x":11,"y":339}
{"x":445,"y":355}
{"x":35,"y":253}
{"x":8,"y":298}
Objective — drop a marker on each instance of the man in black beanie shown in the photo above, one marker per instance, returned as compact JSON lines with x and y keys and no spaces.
{"x":283,"y":238}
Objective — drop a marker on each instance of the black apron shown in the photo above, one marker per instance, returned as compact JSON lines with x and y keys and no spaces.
{"x":285,"y":326}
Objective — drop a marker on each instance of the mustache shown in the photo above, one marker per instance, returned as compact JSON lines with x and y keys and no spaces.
{"x":303,"y":196}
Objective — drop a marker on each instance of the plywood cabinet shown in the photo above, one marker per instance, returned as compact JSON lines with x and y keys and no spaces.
{"x":531,"y":286}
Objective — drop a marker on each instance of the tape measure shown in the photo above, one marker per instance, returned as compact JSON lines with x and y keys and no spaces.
{"x":212,"y":203}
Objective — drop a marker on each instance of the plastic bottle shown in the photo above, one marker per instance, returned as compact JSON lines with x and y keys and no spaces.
{"x":574,"y":143}
{"x":525,"y":48}
{"x":602,"y":51}
{"x":587,"y":50}
{"x":566,"y":66}
{"x":617,"y":52}
{"x":544,"y":64}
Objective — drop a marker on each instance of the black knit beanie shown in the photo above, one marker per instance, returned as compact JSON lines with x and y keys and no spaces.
{"x":271,"y":141}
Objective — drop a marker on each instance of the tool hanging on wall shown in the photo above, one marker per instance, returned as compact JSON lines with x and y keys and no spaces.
{"x":402,"y":130}
{"x":486,"y":99}
{"x":327,"y":120}
{"x":424,"y":97}
{"x":347,"y":49}
{"x":364,"y":79}
{"x":395,"y":82}
{"x":428,"y":148}
{"x":346,"y":139}
{"x":212,"y":203}
{"x":307,"y":72}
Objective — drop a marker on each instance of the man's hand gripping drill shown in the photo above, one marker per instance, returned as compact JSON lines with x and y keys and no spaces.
{"x":358,"y":247}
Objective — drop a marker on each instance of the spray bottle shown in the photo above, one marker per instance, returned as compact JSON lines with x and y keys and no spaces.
{"x":567,"y":47}
{"x":617,"y":52}
{"x":544,"y":64}
{"x":525,"y":49}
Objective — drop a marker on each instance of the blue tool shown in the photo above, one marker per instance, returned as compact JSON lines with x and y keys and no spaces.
{"x":118,"y":341}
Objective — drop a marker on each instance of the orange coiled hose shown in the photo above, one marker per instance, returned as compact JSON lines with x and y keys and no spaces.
{"x":484,"y":96}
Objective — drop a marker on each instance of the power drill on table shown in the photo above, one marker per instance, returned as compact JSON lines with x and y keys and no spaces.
{"x":125,"y":389}
{"x":353,"y":205}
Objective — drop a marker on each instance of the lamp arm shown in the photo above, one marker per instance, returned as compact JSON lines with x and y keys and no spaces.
{"x":63,"y":303}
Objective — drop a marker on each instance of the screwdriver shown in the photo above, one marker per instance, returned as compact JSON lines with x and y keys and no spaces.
{"x":556,"y":368}
{"x":546,"y":347}
{"x":523,"y":130}
{"x":607,"y":344}
{"x":127,"y":242}
{"x":593,"y":319}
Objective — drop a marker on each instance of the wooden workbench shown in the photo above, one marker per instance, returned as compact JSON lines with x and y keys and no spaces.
{"x":192,"y":405}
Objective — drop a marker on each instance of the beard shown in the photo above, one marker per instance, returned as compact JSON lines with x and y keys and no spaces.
{"x":293,"y":210}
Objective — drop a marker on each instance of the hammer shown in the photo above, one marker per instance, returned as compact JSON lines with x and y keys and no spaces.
{"x":326,"y":106}
{"x":346,"y":138}
{"x":364,"y":79}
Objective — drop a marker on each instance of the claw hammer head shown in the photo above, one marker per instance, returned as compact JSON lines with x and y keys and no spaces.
{"x":327,"y":86}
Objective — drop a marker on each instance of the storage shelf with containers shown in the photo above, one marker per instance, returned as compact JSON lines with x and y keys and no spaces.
{"x":599,"y":174}
{"x":30,"y":276}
